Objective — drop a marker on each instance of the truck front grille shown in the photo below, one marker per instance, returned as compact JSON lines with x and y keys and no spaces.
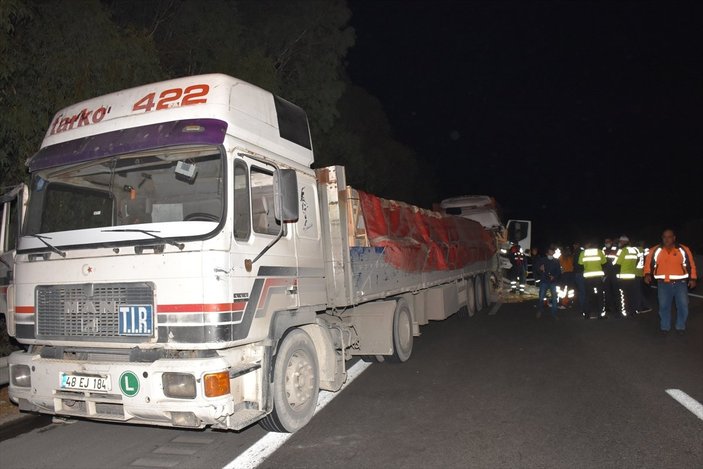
{"x":88,"y":311}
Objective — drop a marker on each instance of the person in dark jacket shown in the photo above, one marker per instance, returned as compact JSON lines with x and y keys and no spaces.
{"x":548,"y":271}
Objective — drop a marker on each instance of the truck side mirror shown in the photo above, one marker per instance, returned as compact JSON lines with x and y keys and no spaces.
{"x":285,"y":195}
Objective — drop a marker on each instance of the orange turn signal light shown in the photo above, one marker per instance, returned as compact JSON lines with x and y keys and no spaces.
{"x":216,"y":384}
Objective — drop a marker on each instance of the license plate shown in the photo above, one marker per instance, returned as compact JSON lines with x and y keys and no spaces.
{"x":85,"y":383}
{"x":136,"y":320}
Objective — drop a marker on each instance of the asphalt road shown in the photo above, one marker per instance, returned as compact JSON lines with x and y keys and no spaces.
{"x":489,"y":391}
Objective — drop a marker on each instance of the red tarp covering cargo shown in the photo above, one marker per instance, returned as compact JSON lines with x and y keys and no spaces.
{"x":416,"y":240}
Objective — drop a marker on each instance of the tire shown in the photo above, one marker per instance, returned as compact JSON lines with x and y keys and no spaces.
{"x":402,"y":333}
{"x":479,"y":293}
{"x":489,"y":282}
{"x":296,"y":384}
{"x":470,"y":297}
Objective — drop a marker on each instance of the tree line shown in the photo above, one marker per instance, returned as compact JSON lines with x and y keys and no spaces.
{"x":57,"y":52}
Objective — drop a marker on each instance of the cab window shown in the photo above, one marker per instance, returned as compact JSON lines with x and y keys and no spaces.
{"x":242,"y":226}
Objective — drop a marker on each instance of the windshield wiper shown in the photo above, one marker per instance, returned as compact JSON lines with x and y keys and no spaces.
{"x":53,"y":248}
{"x":148,"y":233}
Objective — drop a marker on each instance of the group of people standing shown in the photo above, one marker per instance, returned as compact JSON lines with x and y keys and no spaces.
{"x":608,"y":281}
{"x":612,"y":279}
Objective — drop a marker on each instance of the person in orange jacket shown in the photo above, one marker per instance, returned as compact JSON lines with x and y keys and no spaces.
{"x":671,"y":264}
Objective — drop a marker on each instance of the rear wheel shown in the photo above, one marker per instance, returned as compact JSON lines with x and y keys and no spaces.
{"x":491,"y":284}
{"x":402,"y":333}
{"x":470,"y":308}
{"x":296,"y":384}
{"x":479,"y":292}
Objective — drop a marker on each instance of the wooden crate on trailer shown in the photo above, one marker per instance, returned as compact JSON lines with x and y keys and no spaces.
{"x":356,"y":228}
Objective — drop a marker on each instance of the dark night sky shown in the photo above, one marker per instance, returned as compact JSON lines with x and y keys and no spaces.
{"x":584,"y":116}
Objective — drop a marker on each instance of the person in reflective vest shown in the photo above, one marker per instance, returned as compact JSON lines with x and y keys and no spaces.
{"x":518,"y":271}
{"x":626,"y":263}
{"x":610,"y":281}
{"x":592,"y":259}
{"x":672,"y":266}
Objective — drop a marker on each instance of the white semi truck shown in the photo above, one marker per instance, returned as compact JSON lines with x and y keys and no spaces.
{"x":181,"y":264}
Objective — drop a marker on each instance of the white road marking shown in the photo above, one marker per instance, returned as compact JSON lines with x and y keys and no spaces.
{"x":262,"y":449}
{"x":687,"y":401}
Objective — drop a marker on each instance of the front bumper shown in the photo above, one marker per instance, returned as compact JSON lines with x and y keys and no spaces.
{"x":149,"y":405}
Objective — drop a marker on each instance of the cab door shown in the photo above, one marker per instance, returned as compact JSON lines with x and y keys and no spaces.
{"x":265,"y":268}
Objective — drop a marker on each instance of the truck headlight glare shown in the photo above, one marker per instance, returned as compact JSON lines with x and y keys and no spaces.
{"x":179,"y":385}
{"x":20,"y":376}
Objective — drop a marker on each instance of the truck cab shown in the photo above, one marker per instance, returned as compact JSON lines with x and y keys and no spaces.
{"x":138,"y":256}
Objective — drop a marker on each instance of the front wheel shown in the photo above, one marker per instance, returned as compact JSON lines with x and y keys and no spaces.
{"x":296,"y":384}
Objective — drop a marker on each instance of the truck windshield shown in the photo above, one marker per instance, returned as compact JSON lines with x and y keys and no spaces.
{"x":169,"y":185}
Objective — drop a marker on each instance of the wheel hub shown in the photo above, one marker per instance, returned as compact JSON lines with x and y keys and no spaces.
{"x":405,"y":332}
{"x":299,"y":379}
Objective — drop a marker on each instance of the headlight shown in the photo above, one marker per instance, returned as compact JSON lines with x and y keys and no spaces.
{"x":20,"y":376}
{"x":184,"y":419}
{"x":179,"y":385}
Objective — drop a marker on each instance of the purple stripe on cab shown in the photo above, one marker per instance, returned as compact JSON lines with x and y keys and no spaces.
{"x":120,"y":142}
